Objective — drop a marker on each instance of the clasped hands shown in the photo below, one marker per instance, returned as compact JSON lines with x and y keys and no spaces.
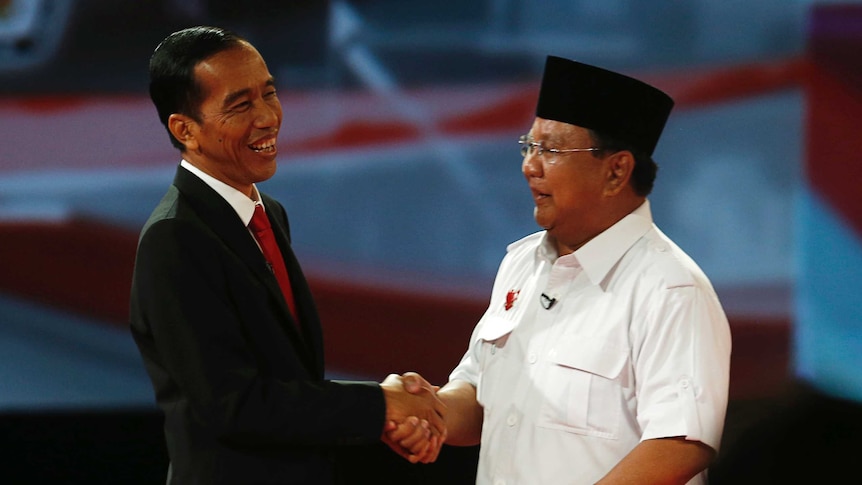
{"x":415,"y":425}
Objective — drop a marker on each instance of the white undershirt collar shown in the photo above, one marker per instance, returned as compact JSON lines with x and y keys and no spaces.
{"x":240,"y":202}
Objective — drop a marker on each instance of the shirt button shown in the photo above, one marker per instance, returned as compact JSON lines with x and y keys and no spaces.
{"x":684,"y":383}
{"x":511,"y":420}
{"x":532,"y":358}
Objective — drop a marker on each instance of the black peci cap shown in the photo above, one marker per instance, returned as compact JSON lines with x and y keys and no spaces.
{"x":604,"y":101}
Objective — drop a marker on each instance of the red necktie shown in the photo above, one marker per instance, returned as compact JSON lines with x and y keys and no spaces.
{"x":263,"y":233}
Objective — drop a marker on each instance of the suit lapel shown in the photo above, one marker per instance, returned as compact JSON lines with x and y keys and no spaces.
{"x":217,"y":214}
{"x":302,"y":293}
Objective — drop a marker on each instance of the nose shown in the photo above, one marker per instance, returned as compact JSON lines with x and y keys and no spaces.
{"x":532,"y":165}
{"x":268,"y":114}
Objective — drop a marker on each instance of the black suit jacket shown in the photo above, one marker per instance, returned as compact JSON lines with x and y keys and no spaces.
{"x":243,"y":395}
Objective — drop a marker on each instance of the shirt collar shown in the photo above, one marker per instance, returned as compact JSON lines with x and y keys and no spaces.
{"x":602,"y":252}
{"x":240,"y":202}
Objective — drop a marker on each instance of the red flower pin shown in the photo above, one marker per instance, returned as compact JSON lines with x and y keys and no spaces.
{"x":511,"y":296}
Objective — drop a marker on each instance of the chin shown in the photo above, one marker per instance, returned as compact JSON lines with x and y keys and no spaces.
{"x":268,"y":172}
{"x":542,"y":221}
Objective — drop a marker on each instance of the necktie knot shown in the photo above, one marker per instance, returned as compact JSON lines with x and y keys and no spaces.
{"x":259,"y":221}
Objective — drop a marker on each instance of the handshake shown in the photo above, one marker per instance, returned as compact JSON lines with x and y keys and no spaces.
{"x":415,"y":426}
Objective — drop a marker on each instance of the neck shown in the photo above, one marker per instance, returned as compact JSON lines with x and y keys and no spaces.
{"x":612,"y":213}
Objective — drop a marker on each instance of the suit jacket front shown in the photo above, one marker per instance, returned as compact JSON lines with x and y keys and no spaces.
{"x":243,"y":393}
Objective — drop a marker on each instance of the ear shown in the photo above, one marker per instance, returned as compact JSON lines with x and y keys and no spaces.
{"x":620,"y":167}
{"x":183,"y":128}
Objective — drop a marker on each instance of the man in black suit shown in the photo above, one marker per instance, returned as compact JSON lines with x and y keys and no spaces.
{"x":236,"y":360}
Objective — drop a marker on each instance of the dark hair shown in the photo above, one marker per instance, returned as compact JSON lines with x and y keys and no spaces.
{"x":173,"y":87}
{"x":644,"y":172}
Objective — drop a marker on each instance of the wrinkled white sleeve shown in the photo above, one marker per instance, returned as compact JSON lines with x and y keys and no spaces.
{"x":682,"y":364}
{"x":468,"y":368}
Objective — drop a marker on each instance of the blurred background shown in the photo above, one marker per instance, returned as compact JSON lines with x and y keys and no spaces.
{"x":400,"y":173}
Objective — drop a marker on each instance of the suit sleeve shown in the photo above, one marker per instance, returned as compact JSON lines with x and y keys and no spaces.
{"x":196,"y":341}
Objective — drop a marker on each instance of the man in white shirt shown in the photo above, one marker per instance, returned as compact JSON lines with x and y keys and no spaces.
{"x":604,"y":354}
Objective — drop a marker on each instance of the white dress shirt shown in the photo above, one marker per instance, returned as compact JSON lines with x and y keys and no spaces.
{"x":581,"y":357}
{"x":240,"y":202}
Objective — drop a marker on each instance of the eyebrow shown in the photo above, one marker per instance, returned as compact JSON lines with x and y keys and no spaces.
{"x":232,"y":97}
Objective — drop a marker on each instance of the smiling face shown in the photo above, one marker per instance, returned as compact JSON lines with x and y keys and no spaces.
{"x":583,"y":193}
{"x":240,"y":115}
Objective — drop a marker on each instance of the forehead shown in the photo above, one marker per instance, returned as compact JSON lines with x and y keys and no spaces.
{"x":551,"y":130}
{"x":236,"y":68}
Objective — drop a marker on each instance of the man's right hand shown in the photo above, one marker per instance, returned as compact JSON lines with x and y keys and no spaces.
{"x":415,"y":417}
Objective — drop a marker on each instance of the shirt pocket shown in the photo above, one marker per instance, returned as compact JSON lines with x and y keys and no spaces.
{"x":582,"y":387}
{"x":493,"y":338}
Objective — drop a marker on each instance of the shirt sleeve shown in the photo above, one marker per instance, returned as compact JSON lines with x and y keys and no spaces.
{"x":682,"y":364}
{"x":468,"y":368}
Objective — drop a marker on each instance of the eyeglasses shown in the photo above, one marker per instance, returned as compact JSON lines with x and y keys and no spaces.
{"x":530,"y":147}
